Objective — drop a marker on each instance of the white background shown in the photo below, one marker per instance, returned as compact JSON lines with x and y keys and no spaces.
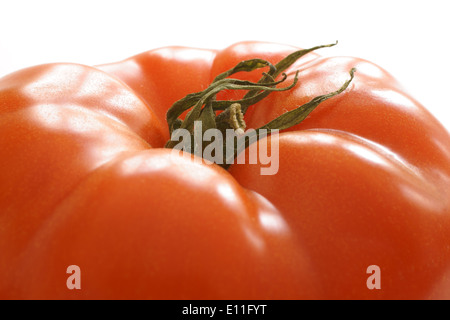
{"x":408,"y":38}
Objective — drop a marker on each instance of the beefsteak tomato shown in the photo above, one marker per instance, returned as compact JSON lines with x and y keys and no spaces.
{"x":363,"y":181}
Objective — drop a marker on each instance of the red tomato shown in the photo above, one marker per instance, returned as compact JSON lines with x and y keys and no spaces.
{"x":363,"y":181}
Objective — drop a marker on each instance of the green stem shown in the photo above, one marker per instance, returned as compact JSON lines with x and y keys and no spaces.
{"x":229,"y":114}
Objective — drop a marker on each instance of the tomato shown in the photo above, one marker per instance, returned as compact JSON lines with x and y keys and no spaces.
{"x":362,"y":181}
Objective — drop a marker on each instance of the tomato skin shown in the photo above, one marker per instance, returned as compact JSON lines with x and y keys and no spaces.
{"x":162,"y":76}
{"x":140,"y":242}
{"x":353,"y":205}
{"x":391,"y":117}
{"x":363,"y":180}
{"x":50,"y":142}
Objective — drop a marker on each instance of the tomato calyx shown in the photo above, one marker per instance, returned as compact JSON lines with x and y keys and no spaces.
{"x":225,"y":115}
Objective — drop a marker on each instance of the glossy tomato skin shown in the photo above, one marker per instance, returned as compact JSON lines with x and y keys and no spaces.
{"x":162,"y":76}
{"x":364,"y":180}
{"x":56,"y":128}
{"x":369,"y":183}
{"x":375,"y":108}
{"x":67,"y":135}
{"x":354,"y":205}
{"x":152,"y":225}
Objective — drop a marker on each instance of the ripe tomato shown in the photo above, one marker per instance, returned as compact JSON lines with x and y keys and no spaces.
{"x":364,"y":180}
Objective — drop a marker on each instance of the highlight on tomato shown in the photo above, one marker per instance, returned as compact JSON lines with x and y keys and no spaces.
{"x":260,"y":171}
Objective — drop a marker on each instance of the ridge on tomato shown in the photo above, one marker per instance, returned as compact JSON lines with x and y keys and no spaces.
{"x":88,"y":178}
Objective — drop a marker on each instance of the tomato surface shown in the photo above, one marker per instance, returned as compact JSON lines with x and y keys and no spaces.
{"x":363,"y":181}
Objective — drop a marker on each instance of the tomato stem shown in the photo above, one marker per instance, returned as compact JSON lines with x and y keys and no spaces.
{"x":204,"y":108}
{"x":232,"y":117}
